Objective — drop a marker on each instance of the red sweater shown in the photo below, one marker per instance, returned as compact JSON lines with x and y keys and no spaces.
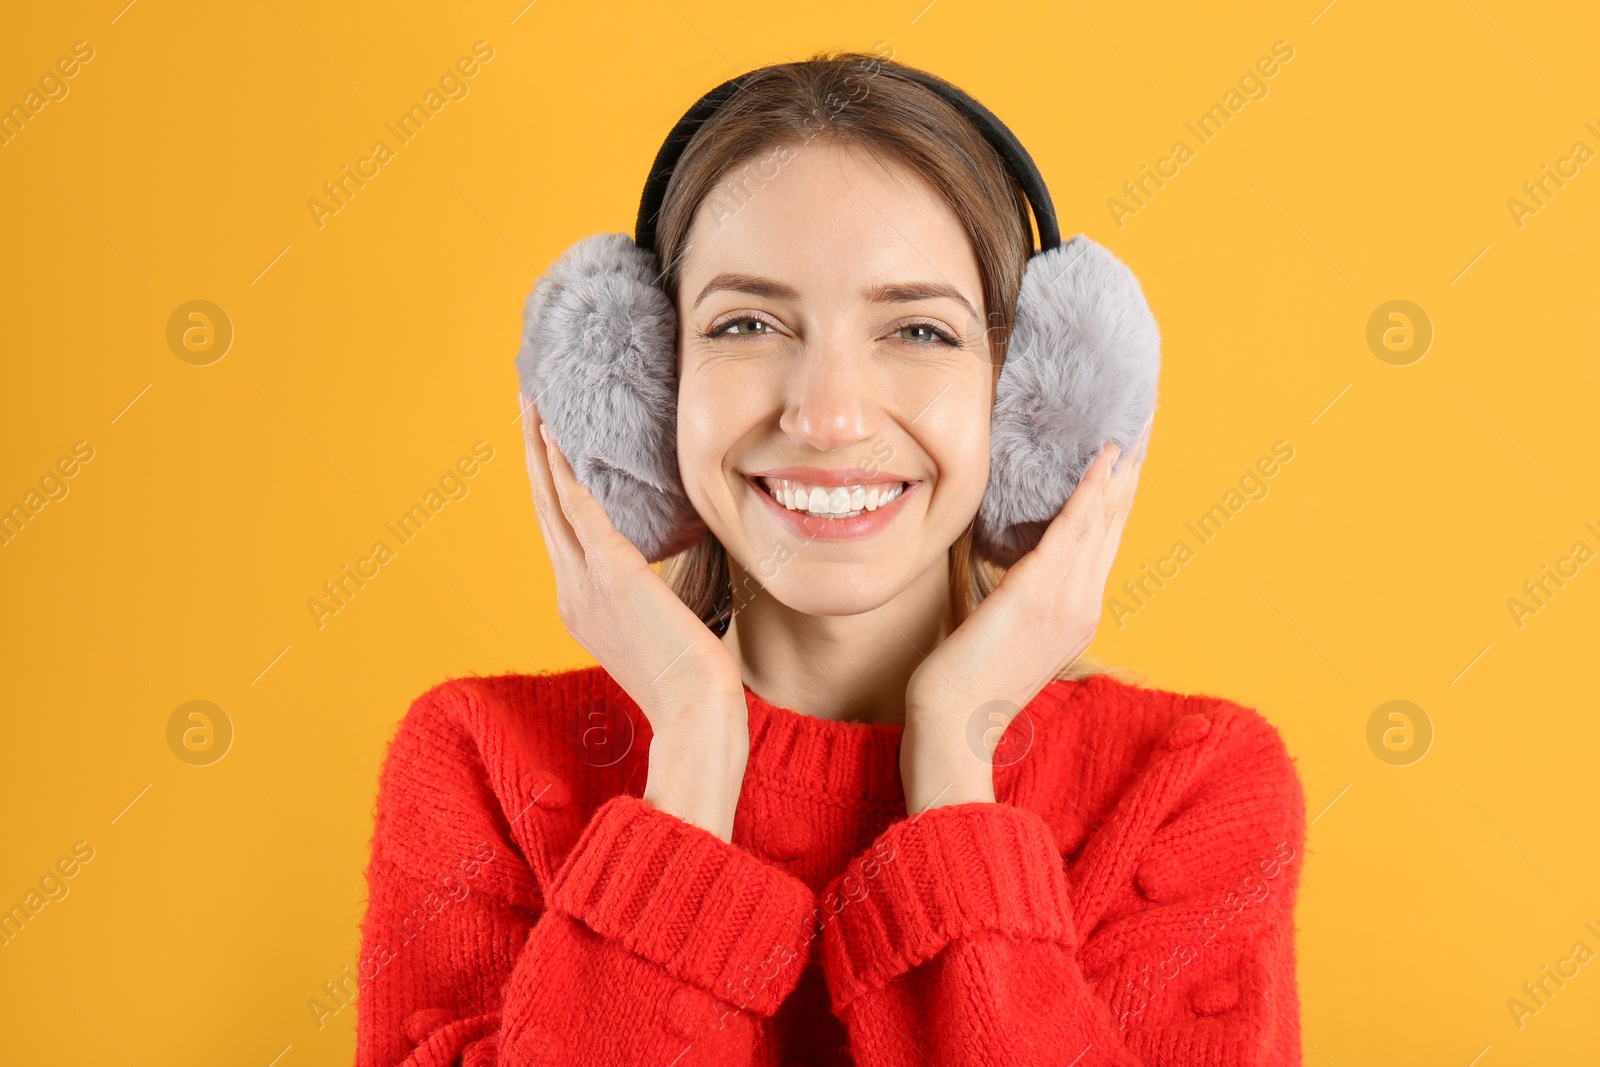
{"x":1128,"y":900}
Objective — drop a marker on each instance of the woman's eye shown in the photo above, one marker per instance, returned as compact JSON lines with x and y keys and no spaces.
{"x":921,"y":334}
{"x":930,"y":334}
{"x":742,"y":327}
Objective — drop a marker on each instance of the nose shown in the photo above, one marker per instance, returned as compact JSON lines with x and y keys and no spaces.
{"x":830,"y":403}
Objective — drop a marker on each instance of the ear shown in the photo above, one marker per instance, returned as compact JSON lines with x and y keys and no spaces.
{"x":599,"y":359}
{"x":1080,"y":371}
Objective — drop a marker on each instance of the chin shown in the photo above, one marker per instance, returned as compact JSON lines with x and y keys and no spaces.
{"x":814,"y":586}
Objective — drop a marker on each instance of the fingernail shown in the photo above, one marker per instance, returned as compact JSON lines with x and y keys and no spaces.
{"x":544,"y":432}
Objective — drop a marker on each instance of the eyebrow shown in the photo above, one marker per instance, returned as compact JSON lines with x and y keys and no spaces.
{"x":748,"y":283}
{"x":909,"y":292}
{"x":895,"y":293}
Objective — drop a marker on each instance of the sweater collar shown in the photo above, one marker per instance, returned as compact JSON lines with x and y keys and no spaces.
{"x":856,"y":761}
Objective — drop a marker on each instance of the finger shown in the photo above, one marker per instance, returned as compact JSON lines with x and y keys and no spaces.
{"x":1065,"y":536}
{"x":1077,"y":578}
{"x":1136,"y":450}
{"x":1120,"y":486}
{"x":1090,"y":580}
{"x":602,"y":542}
{"x":530,"y":440}
{"x":558,"y":537}
{"x":1138,"y":453}
{"x":1114,"y":499}
{"x":541,"y":499}
{"x":587,"y":519}
{"x":538,"y":481}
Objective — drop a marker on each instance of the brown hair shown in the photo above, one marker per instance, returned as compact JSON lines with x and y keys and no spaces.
{"x":866,"y":101}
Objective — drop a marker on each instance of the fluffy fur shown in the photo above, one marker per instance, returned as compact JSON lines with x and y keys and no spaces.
{"x":1080,"y":370}
{"x":599,"y":358}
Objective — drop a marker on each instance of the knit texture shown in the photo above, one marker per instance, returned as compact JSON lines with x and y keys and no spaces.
{"x":1128,"y":900}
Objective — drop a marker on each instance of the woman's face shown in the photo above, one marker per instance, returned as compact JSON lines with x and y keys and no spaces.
{"x":832,"y":350}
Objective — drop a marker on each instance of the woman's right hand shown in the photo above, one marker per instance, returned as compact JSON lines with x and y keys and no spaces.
{"x":662,"y":655}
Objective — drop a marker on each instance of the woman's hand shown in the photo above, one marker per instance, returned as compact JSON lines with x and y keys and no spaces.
{"x":1039,"y":619}
{"x":657,"y":650}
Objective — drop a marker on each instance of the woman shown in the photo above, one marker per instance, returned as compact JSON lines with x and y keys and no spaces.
{"x":837,"y":791}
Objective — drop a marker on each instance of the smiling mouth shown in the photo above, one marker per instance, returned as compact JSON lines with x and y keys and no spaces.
{"x":831,"y":501}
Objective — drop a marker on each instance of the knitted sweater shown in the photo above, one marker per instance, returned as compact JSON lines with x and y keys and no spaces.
{"x":1127,"y":900}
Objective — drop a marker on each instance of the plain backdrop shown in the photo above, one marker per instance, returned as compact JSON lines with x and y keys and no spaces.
{"x":371,"y":349}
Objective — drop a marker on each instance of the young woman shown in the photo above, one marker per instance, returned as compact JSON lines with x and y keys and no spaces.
{"x":838,"y":791}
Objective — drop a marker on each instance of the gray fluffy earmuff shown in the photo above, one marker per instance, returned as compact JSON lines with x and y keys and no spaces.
{"x":1080,"y":371}
{"x":599,"y":360}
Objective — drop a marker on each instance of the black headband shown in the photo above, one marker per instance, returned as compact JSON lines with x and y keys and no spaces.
{"x":1015,"y":157}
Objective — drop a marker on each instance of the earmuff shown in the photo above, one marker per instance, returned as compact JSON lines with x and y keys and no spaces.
{"x":599,"y":359}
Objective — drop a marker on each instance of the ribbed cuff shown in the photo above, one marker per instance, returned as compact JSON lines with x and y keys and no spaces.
{"x":941,"y":875}
{"x":706,"y":911}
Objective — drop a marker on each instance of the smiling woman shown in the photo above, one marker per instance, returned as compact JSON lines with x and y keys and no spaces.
{"x":946,"y":233}
{"x":871,"y":805}
{"x":830,"y":359}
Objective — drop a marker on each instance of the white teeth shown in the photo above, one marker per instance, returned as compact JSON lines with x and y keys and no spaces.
{"x":832,"y":502}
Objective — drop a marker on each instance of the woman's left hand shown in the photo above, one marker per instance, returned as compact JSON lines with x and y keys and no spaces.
{"x":1040,"y":618}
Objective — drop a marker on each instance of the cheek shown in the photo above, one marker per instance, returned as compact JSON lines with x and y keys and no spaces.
{"x":715,"y":410}
{"x":696,"y":439}
{"x":956,"y":437}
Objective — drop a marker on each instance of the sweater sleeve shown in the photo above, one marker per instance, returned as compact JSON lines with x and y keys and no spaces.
{"x":957,"y":938}
{"x":652,"y":941}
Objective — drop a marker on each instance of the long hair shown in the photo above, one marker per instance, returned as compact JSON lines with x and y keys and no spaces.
{"x":865,"y":101}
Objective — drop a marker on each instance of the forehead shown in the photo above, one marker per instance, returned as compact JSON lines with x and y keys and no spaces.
{"x":828,"y":215}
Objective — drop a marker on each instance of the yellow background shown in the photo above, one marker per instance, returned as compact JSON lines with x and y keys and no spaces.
{"x":369,"y":354}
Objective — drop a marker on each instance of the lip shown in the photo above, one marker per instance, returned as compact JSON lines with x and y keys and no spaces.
{"x":831,"y":475}
{"x":812,"y":528}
